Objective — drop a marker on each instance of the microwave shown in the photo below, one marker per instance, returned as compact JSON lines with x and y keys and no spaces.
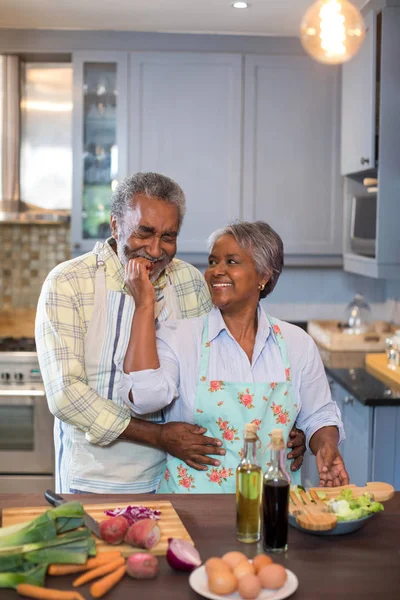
{"x":363,"y":225}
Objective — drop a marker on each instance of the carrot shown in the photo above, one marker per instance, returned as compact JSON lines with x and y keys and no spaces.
{"x":104,"y":585}
{"x":92,"y":563}
{"x":101,"y":570}
{"x":33,"y":591}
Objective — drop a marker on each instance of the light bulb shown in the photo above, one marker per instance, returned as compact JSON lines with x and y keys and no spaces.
{"x":332,"y":31}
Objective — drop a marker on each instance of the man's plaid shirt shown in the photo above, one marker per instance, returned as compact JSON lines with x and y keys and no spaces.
{"x":64,"y":311}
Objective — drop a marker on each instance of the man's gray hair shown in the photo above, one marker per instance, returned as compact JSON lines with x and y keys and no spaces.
{"x":262,"y":243}
{"x":148,"y":184}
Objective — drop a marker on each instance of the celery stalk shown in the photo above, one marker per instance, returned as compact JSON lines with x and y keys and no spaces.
{"x":35,"y":576}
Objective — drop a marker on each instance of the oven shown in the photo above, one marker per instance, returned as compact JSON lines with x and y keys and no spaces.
{"x":26,"y":424}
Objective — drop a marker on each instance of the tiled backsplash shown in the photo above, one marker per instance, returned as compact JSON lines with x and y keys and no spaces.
{"x":27,"y":254}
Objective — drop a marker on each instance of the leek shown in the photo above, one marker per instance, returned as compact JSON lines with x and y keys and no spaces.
{"x":40,"y":529}
{"x":45,"y":527}
{"x":75,"y":544}
{"x":35,"y":576}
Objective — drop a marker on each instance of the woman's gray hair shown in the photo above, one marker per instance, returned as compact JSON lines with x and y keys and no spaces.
{"x":262,"y":243}
{"x":148,"y":184}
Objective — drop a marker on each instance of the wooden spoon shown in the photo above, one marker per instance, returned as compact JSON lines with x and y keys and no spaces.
{"x":379,"y":491}
{"x":310,"y":517}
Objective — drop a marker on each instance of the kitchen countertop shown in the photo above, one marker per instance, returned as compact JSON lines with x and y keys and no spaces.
{"x":362,"y":565}
{"x":348,"y":370}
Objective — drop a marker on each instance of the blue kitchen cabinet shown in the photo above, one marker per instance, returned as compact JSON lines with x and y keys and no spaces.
{"x":359,"y":104}
{"x":356,"y":449}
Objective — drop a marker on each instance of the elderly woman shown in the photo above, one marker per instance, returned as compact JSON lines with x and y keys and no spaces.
{"x":234,"y":366}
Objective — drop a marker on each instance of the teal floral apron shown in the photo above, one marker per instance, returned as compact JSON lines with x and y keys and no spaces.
{"x":223,"y":407}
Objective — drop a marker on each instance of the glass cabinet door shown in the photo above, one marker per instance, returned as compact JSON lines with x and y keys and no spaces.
{"x":100,"y":153}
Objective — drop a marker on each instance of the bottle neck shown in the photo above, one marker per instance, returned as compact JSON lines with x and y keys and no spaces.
{"x":250,"y":451}
{"x":277,"y":468}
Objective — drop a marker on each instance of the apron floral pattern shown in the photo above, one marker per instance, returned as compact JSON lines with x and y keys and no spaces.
{"x":223,"y":407}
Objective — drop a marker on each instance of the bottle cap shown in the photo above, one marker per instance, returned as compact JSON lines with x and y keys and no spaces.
{"x":277,"y":442}
{"x":250,"y":431}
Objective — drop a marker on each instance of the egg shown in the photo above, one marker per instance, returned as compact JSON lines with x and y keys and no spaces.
{"x":243,"y":568}
{"x":272,"y":576}
{"x":233,"y":558}
{"x":260,"y":561}
{"x":222,"y":582}
{"x":249,"y":587}
{"x":216,"y":564}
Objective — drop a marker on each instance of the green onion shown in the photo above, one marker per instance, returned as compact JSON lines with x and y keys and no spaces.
{"x":35,"y":576}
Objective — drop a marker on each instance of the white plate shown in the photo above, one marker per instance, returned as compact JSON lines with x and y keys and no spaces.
{"x":198,"y":582}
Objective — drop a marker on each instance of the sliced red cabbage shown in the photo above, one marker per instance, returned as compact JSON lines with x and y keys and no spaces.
{"x":134,"y":513}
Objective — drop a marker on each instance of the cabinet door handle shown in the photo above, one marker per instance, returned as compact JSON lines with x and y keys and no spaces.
{"x":364,"y":161}
{"x":348,"y":400}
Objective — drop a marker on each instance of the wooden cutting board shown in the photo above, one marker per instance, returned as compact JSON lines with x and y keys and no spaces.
{"x":169,"y":523}
{"x":328,"y":335}
{"x":377,"y":365}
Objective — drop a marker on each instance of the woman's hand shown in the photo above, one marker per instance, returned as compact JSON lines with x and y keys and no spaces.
{"x":331,"y":469}
{"x":137,"y":280}
{"x":297,"y":444}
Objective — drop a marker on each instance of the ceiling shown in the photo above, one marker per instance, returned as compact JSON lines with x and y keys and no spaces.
{"x":264,"y":17}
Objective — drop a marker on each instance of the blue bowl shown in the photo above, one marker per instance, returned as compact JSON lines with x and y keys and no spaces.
{"x":341,"y":528}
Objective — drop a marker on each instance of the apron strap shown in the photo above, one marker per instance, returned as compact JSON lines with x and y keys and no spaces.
{"x":205,"y":351}
{"x":280,"y":341}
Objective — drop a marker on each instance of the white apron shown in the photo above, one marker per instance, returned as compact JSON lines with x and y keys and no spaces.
{"x":121,"y":467}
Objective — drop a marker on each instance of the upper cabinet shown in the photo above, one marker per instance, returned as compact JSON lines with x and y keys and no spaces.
{"x":185,"y":119}
{"x":99,"y":142}
{"x":247,"y":137}
{"x":359,"y":84}
{"x":291,"y":152}
{"x":371,"y":131}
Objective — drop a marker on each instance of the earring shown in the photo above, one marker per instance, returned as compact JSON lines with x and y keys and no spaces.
{"x":261,"y":287}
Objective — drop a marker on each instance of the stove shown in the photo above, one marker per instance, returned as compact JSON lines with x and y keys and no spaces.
{"x":26,"y":424}
{"x":24,"y":344}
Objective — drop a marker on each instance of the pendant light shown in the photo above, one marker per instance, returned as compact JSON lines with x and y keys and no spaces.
{"x":332,"y":31}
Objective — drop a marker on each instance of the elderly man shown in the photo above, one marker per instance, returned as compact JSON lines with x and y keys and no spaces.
{"x":83,"y":326}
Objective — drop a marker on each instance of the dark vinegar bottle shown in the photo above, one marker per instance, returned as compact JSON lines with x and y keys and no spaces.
{"x":276,"y":489}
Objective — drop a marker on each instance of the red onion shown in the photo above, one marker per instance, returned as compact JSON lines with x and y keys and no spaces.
{"x":182,"y":556}
{"x":134,"y":513}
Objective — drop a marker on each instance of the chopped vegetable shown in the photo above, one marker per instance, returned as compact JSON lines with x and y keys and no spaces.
{"x":104,"y":585}
{"x":182,"y":556}
{"x":42,"y":593}
{"x":101,"y":559}
{"x":99,"y":571}
{"x":134,"y":513}
{"x":348,"y":508}
{"x":35,"y":576}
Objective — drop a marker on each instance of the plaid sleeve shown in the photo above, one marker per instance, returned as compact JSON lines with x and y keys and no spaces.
{"x":191,"y":290}
{"x":203,"y":297}
{"x":59,"y":336}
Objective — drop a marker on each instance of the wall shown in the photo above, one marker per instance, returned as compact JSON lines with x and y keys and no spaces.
{"x":27,"y":254}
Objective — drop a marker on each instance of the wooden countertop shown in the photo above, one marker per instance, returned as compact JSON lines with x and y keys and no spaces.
{"x":19,"y":322}
{"x":362,"y":565}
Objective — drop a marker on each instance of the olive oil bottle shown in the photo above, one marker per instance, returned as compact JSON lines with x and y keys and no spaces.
{"x":248,"y":489}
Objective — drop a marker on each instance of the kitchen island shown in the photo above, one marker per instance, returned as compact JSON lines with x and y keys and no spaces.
{"x":362,"y":565}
